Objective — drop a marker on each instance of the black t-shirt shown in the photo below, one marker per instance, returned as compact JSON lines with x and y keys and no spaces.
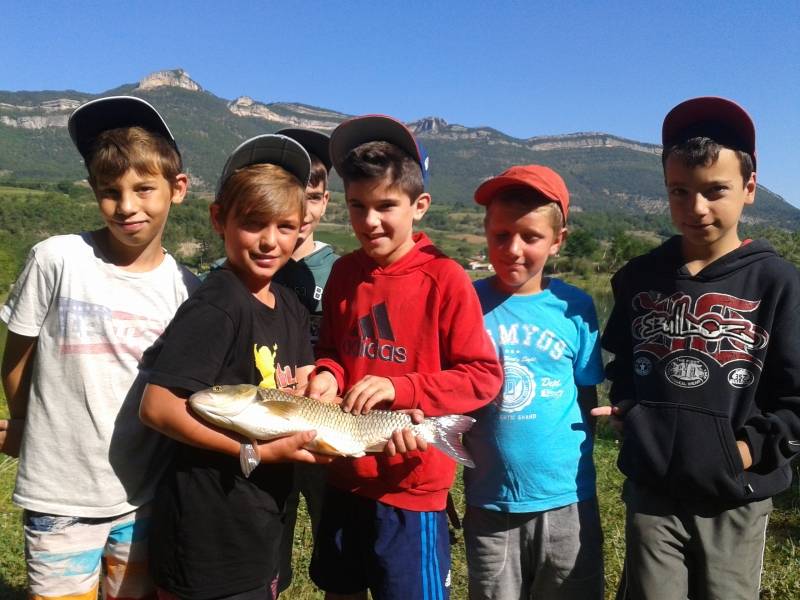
{"x":214,"y":532}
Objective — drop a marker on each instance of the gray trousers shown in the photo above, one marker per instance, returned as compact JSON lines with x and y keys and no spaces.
{"x":550,"y":555}
{"x":685,"y":549}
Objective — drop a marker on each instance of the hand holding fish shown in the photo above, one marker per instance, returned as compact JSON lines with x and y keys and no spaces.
{"x":404,"y":440}
{"x":366,"y":393}
{"x":267,"y":414}
{"x":323,"y":387}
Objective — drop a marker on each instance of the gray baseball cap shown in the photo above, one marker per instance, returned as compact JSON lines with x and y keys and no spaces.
{"x":271,"y":149}
{"x":96,"y":116}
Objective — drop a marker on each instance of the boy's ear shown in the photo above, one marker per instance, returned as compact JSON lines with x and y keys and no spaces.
{"x":421,"y":205}
{"x":559,"y":239}
{"x":750,"y":189}
{"x":180,"y":185}
{"x":214,"y":217}
{"x":325,"y":197}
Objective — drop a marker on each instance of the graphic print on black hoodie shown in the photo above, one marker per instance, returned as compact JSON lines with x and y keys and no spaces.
{"x":709,"y":358}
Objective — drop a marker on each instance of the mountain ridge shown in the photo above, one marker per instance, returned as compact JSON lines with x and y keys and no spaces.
{"x":603,"y":172}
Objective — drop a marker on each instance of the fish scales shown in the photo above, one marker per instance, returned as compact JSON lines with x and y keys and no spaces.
{"x":371,"y":428}
{"x":265,"y":414}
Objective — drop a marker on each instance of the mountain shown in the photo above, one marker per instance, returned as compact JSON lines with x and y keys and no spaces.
{"x":604,"y":172}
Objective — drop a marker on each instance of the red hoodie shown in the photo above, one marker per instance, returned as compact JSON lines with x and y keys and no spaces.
{"x":419,"y":323}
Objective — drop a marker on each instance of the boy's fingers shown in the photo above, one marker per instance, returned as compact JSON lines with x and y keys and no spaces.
{"x":417,"y":416}
{"x":601,"y":411}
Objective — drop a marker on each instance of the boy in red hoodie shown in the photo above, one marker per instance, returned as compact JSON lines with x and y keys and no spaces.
{"x":402,"y":328}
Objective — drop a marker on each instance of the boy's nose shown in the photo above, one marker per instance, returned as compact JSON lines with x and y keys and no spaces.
{"x":126,"y":205}
{"x":699,"y":204}
{"x":267,"y":238}
{"x":372,"y":219}
{"x":513,"y":245}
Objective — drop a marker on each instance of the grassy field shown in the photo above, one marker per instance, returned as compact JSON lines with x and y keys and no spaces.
{"x":781,"y":579}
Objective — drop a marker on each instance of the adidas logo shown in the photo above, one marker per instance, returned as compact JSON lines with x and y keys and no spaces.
{"x":373,"y":337}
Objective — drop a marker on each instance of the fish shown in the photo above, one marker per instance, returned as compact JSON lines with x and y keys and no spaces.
{"x":265,"y":414}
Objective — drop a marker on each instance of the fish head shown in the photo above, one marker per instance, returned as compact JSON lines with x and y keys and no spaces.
{"x":223,"y":402}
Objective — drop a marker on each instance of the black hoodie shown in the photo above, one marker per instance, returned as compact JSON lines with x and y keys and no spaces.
{"x":708,"y":359}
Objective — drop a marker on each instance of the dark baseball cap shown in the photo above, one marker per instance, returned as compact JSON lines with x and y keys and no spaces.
{"x":272,"y":149}
{"x":96,"y":116}
{"x":720,"y":119}
{"x":315,"y":142}
{"x":542,"y":180}
{"x":376,"y":128}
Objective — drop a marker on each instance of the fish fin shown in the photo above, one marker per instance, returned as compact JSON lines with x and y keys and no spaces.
{"x":278,"y":408}
{"x":447,"y":432}
{"x":324,"y":447}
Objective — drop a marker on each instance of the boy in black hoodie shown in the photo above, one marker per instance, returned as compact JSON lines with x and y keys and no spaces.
{"x":705,"y":379}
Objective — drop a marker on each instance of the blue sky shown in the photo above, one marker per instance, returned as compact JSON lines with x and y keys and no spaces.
{"x":525,"y":68}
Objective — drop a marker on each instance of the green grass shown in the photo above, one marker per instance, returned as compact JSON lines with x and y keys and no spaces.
{"x":781,"y":580}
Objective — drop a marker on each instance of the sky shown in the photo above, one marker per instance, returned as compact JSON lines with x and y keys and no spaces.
{"x":525,"y":68}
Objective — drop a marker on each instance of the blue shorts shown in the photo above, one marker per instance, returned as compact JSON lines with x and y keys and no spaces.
{"x":397,"y":554}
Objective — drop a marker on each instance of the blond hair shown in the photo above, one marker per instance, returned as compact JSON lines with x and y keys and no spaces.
{"x":533,"y":201}
{"x":115,"y":151}
{"x":261,"y":191}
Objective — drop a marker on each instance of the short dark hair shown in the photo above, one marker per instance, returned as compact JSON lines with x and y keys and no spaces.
{"x":319,"y":173}
{"x":702,"y":151}
{"x":115,"y":151}
{"x":380,"y":160}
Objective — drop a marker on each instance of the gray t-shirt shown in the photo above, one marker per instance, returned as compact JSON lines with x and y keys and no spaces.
{"x":84,"y":450}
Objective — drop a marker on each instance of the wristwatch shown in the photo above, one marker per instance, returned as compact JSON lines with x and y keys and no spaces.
{"x":249,"y":457}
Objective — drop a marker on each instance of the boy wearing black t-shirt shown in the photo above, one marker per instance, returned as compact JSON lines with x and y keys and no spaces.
{"x":216,"y":530}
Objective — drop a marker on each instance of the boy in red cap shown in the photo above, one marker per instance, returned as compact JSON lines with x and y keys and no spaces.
{"x":400,"y":330}
{"x":706,"y":372}
{"x":532,"y":528}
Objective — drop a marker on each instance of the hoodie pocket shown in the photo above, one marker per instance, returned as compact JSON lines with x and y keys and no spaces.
{"x":687,"y":451}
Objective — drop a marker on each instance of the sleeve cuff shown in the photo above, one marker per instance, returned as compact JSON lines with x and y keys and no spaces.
{"x":403,"y":393}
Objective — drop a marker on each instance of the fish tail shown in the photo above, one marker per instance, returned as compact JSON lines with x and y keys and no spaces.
{"x":447,"y":432}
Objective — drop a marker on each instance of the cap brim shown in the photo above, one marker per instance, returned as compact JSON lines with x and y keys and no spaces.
{"x":371,"y":128}
{"x":96,"y":116}
{"x":271,"y":149}
{"x":718,"y":118}
{"x":491,"y":187}
{"x":315,"y":142}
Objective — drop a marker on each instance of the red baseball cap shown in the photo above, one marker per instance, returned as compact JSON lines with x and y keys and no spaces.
{"x":720,"y":119}
{"x":541,"y":179}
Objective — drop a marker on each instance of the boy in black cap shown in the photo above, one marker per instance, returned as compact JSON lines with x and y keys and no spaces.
{"x":402,"y":329}
{"x":705,"y":379}
{"x":81,"y":314}
{"x":306,"y":273}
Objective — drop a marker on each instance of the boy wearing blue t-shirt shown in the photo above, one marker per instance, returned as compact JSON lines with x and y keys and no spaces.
{"x":532,"y":528}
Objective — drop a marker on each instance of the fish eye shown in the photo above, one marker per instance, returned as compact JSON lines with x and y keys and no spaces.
{"x":217,"y":388}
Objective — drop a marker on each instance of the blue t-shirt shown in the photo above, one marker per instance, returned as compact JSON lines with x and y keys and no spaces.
{"x":531,"y":446}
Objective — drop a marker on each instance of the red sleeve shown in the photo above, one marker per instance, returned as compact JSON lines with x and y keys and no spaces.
{"x":471,"y":375}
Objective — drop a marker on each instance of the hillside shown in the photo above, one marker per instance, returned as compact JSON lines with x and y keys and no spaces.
{"x":604,"y":173}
